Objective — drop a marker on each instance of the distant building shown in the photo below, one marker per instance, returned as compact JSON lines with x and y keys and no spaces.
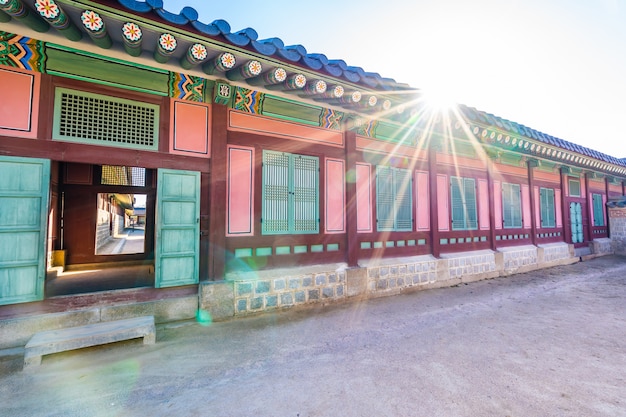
{"x":289,"y":177}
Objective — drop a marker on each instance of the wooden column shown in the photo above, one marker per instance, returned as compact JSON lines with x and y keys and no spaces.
{"x":532,"y":163}
{"x":588,"y":234}
{"x":492,"y":206}
{"x":607,"y":181}
{"x":351,"y":200}
{"x":567,"y":221}
{"x":217,"y":193}
{"x":434,"y":211}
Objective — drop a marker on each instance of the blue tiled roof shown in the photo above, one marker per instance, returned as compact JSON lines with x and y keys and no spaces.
{"x":248,"y":37}
{"x":507,"y":125}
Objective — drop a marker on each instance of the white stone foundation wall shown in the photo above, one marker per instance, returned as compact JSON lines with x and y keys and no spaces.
{"x":290,"y":288}
{"x":465,"y":265}
{"x":553,"y":252}
{"x":519,"y":259}
{"x":253,"y":292}
{"x":382,"y":279}
{"x":602,"y":246}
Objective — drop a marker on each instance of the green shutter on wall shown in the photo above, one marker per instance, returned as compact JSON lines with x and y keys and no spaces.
{"x":24,"y":189}
{"x":275,"y":218}
{"x":463,"y":203}
{"x":511,"y":205}
{"x":305,"y":194}
{"x":598,"y":210}
{"x":394,"y":199}
{"x":404,"y":197}
{"x":548,"y":214}
{"x":177,"y":224}
{"x":290,"y":193}
{"x":384,"y":199}
{"x":470,"y":203}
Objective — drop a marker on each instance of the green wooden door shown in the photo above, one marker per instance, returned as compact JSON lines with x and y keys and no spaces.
{"x":24,"y":189}
{"x":177,"y":242}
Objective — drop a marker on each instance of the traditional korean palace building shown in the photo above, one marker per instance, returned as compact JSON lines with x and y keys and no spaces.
{"x":272,"y":177}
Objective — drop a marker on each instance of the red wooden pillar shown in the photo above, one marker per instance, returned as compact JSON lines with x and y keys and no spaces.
{"x":588,"y":234}
{"x":607,"y":188}
{"x":351,"y":205}
{"x":532,"y":163}
{"x":217,"y":193}
{"x":434,"y":210}
{"x":567,"y":233}
{"x":492,"y":206}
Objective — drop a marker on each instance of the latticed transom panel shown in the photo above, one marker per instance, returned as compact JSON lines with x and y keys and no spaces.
{"x":99,"y":119}
{"x":305,"y":194}
{"x":120,"y":175}
{"x":275,"y":192}
{"x":290,"y":193}
{"x":385,"y":199}
{"x":404,"y":198}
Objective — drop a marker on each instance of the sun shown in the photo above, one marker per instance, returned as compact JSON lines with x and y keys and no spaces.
{"x":440,"y":98}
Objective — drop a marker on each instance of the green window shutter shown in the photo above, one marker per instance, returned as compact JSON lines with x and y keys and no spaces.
{"x":598,"y":210}
{"x":275,"y":210}
{"x":463,"y":203}
{"x":470,"y":203}
{"x":305,"y":194}
{"x":456,"y":203}
{"x":511,"y":205}
{"x":384,"y":199}
{"x":404,"y":198}
{"x":548,"y":214}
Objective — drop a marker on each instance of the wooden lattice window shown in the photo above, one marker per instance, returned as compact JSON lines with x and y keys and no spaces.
{"x":463,"y":198}
{"x":104,"y":120}
{"x":394,"y":199}
{"x":598,"y":210}
{"x":290,"y":194}
{"x":511,"y":206}
{"x":546,"y":198}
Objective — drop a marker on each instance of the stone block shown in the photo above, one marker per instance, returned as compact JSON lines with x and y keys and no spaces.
{"x":286,"y":299}
{"x":356,"y":282}
{"x":314,"y":295}
{"x":328,"y":292}
{"x":174,"y":309}
{"x":279,"y":284}
{"x":262,"y":287}
{"x":218,"y":299}
{"x":320,"y":279}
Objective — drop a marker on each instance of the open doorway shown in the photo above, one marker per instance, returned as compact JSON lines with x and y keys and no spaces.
{"x":105,"y":223}
{"x":120,"y":224}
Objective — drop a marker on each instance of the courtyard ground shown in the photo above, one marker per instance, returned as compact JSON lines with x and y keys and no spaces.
{"x":546,"y":343}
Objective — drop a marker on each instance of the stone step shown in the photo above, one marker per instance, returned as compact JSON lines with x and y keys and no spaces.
{"x":70,"y":338}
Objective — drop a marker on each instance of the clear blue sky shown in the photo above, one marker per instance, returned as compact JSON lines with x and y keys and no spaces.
{"x":556,"y":66}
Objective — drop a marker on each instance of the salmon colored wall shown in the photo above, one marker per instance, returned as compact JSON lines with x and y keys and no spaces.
{"x":443,"y":210}
{"x":376,"y":146}
{"x":461,"y":161}
{"x":497,"y":198}
{"x":558,"y":208}
{"x":240,"y":191}
{"x":537,"y":206}
{"x":422,"y":206}
{"x":363,"y":198}
{"x":501,"y":169}
{"x":335,"y":196}
{"x":483,"y":204}
{"x":244,"y":122}
{"x":189,"y":132}
{"x":19,"y":102}
{"x":546,"y":176}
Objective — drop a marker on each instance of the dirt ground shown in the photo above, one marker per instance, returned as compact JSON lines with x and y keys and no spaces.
{"x":547,"y":343}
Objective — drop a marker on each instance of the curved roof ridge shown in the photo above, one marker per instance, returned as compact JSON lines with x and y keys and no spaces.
{"x":538,"y":135}
{"x":270,"y":46}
